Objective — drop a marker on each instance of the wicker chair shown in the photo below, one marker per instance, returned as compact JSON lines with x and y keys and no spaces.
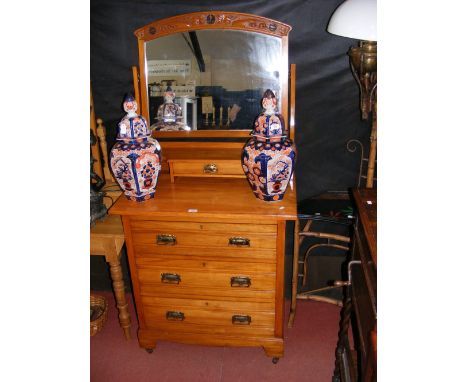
{"x":318,"y":214}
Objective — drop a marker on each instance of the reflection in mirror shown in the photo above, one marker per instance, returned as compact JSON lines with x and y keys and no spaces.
{"x":216,"y":77}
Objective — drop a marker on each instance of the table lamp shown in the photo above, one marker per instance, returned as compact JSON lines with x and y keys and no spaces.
{"x":358,"y":19}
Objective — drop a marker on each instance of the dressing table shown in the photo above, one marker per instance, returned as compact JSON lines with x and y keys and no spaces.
{"x":206,"y":257}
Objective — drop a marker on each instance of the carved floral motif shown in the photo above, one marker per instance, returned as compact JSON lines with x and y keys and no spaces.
{"x":215,"y":20}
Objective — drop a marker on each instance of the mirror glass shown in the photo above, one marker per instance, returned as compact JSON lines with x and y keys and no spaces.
{"x":217,"y":78}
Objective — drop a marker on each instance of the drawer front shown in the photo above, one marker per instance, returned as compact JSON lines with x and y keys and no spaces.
{"x":162,"y":239}
{"x":208,"y":316}
{"x":175,"y":278}
{"x":200,"y":227}
{"x":163,"y":235}
{"x":226,"y":292}
{"x":363,"y":308}
{"x":206,"y":167}
{"x":236,"y":254}
{"x":203,"y":265}
{"x":362,"y":253}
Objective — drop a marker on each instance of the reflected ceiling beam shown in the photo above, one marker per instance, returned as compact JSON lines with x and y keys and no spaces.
{"x":197,"y":51}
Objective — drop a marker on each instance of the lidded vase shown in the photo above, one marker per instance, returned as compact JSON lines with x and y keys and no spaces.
{"x":135,"y":158}
{"x":269,"y":157}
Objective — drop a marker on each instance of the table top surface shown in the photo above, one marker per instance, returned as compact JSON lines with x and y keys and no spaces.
{"x":109,"y":226}
{"x":208,"y":198}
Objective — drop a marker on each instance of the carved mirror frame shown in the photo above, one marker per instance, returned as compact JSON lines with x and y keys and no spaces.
{"x":205,"y":21}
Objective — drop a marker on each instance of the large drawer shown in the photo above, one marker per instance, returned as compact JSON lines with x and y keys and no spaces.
{"x":208,"y":316}
{"x":144,"y":225}
{"x":194,"y":234}
{"x":150,"y":250}
{"x":217,"y":281}
{"x":203,"y":265}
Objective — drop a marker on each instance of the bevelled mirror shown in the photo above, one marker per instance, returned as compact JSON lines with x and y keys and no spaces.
{"x":214,"y":68}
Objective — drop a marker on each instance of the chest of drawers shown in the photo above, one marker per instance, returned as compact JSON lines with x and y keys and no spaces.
{"x":207,"y":264}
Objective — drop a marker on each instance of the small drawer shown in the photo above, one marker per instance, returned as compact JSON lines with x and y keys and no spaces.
{"x":228,"y":168}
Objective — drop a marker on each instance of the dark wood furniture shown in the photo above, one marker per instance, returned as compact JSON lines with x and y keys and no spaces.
{"x":360,"y":305}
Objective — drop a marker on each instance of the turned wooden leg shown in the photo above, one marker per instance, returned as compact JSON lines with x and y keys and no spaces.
{"x":119,"y":292}
{"x":343,"y":334}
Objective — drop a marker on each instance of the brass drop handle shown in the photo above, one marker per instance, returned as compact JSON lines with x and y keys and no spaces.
{"x":239,"y":241}
{"x":239,"y":319}
{"x":240,"y":281}
{"x":210,"y":168}
{"x":166,"y":239}
{"x":170,"y":278}
{"x":175,"y":316}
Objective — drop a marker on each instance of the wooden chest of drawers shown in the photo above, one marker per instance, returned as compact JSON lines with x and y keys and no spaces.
{"x":207,"y":264}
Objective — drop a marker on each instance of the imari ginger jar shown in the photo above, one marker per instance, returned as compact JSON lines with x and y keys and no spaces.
{"x":269,"y":157}
{"x":135,"y":159}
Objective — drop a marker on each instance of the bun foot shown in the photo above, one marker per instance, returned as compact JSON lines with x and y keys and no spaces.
{"x":275,"y":360}
{"x":149,"y":351}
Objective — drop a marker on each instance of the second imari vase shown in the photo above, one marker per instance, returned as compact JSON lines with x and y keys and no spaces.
{"x":269,"y":157}
{"x":135,"y":159}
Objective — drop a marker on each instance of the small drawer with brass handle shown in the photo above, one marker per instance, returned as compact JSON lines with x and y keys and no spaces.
{"x":240,"y":281}
{"x":166,"y":239}
{"x":239,"y":319}
{"x":210,"y":168}
{"x":239,"y":241}
{"x":206,"y":167}
{"x":175,"y":316}
{"x":170,"y":278}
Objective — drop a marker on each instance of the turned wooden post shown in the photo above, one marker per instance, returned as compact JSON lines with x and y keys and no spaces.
{"x":101,"y":133}
{"x":119,"y":291}
{"x":372,"y":150}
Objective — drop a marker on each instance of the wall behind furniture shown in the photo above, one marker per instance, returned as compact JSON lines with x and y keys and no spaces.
{"x":327,"y":106}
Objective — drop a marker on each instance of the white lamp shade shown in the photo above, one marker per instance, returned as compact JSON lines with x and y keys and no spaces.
{"x":356,"y":19}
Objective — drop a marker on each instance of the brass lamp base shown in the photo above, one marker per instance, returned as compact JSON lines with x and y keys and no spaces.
{"x":363,"y":59}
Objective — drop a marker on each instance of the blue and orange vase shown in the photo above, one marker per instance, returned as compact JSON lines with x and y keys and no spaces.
{"x":269,"y":157}
{"x":135,"y":159}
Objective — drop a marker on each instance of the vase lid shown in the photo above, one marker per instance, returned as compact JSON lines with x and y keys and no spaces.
{"x":132,"y":125}
{"x":269,"y":124}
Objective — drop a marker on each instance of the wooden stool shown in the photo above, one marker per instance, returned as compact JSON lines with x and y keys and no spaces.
{"x":107,"y":239}
{"x":331,"y":240}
